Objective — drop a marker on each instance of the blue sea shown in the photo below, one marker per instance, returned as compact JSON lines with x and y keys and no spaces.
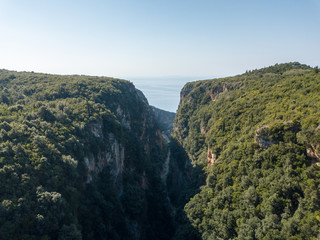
{"x":163,"y":93}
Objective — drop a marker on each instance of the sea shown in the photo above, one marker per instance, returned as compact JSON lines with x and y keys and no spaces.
{"x":163,"y":92}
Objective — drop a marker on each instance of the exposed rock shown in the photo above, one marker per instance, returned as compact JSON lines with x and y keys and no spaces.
{"x":124,"y":118}
{"x":220,"y":88}
{"x":202,"y":128}
{"x":276,"y":132}
{"x":164,"y":118}
{"x":113,"y":158}
{"x":165,"y":168}
{"x":165,"y":137}
{"x":313,"y":154}
{"x":96,"y":129}
{"x":261,"y":137}
{"x":211,"y":157}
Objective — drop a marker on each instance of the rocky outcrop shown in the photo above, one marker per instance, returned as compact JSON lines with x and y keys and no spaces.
{"x":114,"y":158}
{"x":222,"y":88}
{"x":219,"y":89}
{"x":211,"y":157}
{"x":262,"y":138}
{"x":275,"y":132}
{"x":313,"y":154}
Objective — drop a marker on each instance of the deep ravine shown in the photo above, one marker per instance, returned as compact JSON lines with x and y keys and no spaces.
{"x":88,"y":158}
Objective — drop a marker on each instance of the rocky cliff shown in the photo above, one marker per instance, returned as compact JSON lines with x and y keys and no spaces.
{"x":164,"y":118}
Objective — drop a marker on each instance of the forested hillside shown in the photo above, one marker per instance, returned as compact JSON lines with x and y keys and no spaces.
{"x":87,"y":158}
{"x":257,"y":138}
{"x":80,"y":158}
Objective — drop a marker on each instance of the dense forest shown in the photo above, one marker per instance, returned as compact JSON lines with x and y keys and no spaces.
{"x":87,"y":158}
{"x":256,"y":137}
{"x":80,"y":158}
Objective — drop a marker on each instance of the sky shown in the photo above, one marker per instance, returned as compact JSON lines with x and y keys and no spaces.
{"x":149,"y":42}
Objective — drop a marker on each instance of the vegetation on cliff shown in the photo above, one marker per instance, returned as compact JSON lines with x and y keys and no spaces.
{"x":257,"y":137}
{"x":80,"y":158}
{"x":85,"y":158}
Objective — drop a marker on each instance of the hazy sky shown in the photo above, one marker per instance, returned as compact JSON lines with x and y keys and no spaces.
{"x":157,"y":38}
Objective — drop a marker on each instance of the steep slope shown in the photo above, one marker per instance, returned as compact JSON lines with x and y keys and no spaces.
{"x":257,"y":137}
{"x":80,"y":158}
{"x":165,"y":119}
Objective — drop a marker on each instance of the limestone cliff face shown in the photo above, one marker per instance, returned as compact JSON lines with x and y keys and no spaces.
{"x":139,"y":124}
{"x":135,"y":154}
{"x":112,"y":156}
{"x":112,"y":153}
